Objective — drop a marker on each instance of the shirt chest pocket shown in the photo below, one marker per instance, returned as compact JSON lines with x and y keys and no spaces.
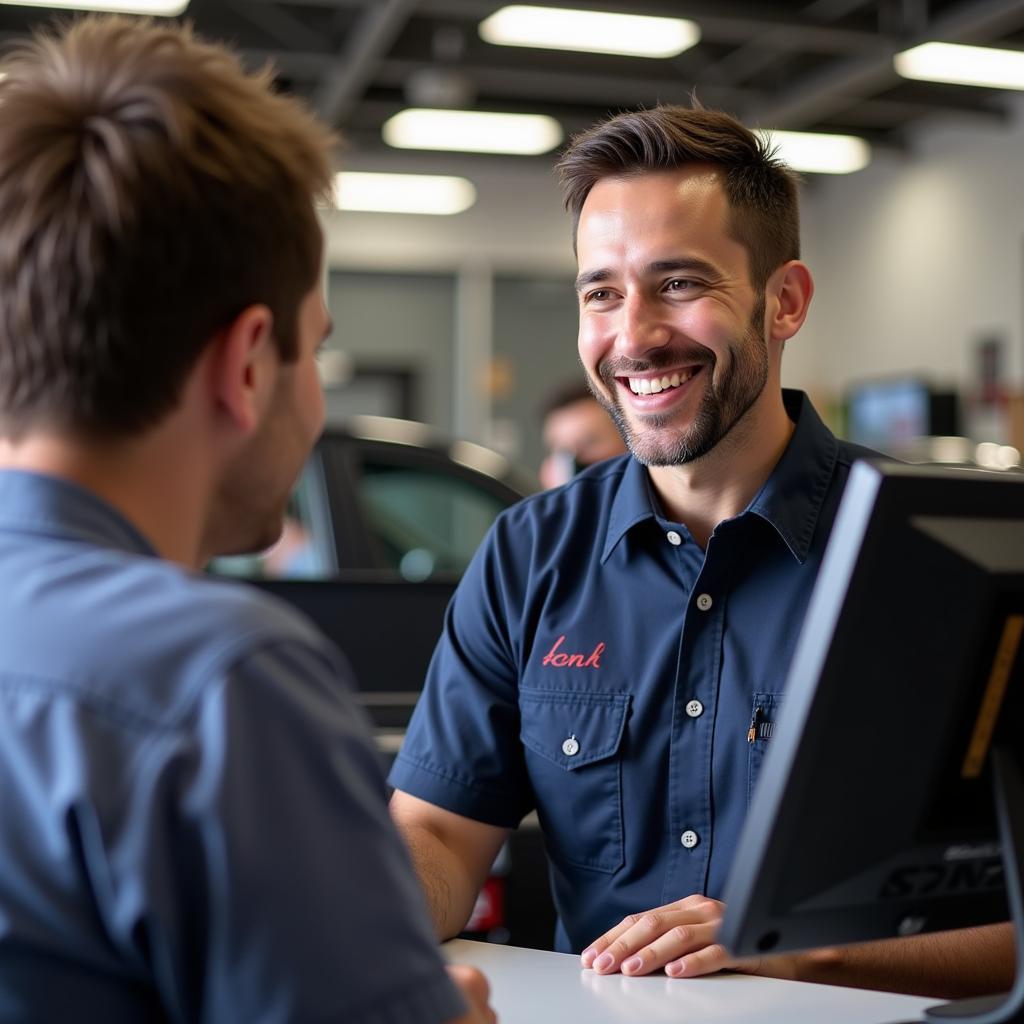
{"x":572,"y":742}
{"x":764,"y":718}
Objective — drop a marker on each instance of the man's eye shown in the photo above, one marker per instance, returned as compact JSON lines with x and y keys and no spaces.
{"x":680,"y":284}
{"x":599,"y":295}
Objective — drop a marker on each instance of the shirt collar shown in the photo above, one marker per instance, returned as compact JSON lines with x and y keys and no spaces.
{"x":790,"y":499}
{"x":632,"y":504}
{"x":52,"y":507}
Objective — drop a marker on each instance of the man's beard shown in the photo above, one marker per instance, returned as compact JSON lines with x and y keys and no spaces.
{"x":724,"y":404}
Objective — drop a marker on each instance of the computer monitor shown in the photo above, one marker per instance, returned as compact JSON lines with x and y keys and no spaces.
{"x":884,"y":413}
{"x":903,"y":710}
{"x":890,"y":414}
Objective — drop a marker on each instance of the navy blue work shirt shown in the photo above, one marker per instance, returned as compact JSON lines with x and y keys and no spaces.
{"x":193,"y":823}
{"x":596,"y":665}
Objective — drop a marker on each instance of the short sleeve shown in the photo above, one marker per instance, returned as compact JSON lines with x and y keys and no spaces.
{"x":293,"y":895}
{"x":462,"y":750}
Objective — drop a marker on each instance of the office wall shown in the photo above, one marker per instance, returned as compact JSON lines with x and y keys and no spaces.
{"x":535,"y":327}
{"x":919,"y":256}
{"x":516,"y":224}
{"x":404,"y":321}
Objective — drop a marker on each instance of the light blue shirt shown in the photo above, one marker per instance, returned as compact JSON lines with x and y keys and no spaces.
{"x":192,"y":815}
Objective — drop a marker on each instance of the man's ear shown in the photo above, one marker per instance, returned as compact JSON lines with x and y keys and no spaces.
{"x":244,"y":367}
{"x":791,"y":286}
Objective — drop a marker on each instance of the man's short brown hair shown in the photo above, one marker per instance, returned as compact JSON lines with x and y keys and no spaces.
{"x":150,"y":190}
{"x":761,"y":190}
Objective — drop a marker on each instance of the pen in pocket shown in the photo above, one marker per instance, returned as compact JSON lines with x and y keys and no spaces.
{"x":760,"y":729}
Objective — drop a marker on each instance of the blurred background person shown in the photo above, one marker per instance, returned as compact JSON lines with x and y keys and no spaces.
{"x":577,"y":433}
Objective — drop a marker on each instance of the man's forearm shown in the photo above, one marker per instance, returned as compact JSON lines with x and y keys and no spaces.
{"x":449,"y":890}
{"x":947,"y":965}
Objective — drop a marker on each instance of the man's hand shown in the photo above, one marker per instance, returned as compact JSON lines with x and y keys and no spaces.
{"x":475,"y":990}
{"x":680,"y":937}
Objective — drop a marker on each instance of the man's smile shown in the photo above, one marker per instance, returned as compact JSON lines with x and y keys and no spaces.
{"x":657,"y":391}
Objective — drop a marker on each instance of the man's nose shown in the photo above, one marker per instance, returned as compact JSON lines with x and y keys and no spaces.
{"x":642,"y":328}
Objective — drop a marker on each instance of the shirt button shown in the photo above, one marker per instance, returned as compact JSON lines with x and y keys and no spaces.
{"x":689,"y":839}
{"x":571,"y":747}
{"x":674,"y":538}
{"x":704,"y":602}
{"x":695,"y":709}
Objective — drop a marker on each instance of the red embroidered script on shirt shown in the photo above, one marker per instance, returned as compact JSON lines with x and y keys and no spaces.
{"x":562,"y":660}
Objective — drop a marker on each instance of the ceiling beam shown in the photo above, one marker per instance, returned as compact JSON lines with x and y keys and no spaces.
{"x":569,"y":87}
{"x":871,"y":112}
{"x":817,"y":96}
{"x":281,"y":26}
{"x":354,"y":68}
{"x":719,"y":22}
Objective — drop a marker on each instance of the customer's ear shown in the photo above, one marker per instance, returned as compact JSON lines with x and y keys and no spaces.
{"x":243,"y":367}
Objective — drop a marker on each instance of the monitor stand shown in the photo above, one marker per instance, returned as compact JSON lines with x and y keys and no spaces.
{"x":1005,"y":1008}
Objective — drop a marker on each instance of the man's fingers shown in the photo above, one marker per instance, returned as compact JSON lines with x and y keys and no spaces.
{"x":599,"y":946}
{"x":698,"y":907}
{"x":476,"y":992}
{"x":646,"y":942}
{"x":677,"y":942}
{"x":708,"y":960}
{"x":471,"y":981}
{"x":639,"y":931}
{"x":654,"y":939}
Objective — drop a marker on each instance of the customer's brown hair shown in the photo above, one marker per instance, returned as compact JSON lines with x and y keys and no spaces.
{"x":761,"y":190}
{"x":150,"y":190}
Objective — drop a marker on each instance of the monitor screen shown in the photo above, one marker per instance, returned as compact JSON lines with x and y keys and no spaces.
{"x":887,"y":414}
{"x":874,"y":815}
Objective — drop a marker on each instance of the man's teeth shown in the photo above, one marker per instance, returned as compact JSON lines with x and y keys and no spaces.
{"x":652,"y":386}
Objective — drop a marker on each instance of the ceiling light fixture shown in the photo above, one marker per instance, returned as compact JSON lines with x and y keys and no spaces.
{"x":820,"y":153}
{"x":472,"y":131}
{"x":436,"y":194}
{"x":158,"y":8}
{"x":557,"y":28}
{"x":962,"y":65}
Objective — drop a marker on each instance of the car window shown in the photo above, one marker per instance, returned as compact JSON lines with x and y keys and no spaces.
{"x":294,"y":556}
{"x":423,"y":520}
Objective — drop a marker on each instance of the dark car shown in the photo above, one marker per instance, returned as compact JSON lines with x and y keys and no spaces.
{"x":389,"y":497}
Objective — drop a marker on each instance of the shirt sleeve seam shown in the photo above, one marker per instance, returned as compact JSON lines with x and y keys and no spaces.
{"x":467,"y":784}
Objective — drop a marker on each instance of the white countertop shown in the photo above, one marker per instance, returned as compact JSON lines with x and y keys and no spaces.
{"x":532,"y":987}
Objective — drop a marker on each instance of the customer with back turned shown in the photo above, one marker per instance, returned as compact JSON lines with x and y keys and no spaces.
{"x":192,"y":815}
{"x":616,"y":654}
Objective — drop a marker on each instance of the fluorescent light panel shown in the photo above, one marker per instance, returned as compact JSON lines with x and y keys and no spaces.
{"x":557,"y":28}
{"x":403,"y":193}
{"x":472,"y":131}
{"x":159,"y":8}
{"x":820,"y":153}
{"x":963,"y":65}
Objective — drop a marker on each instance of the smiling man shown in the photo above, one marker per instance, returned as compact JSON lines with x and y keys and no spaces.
{"x":674,"y":580}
